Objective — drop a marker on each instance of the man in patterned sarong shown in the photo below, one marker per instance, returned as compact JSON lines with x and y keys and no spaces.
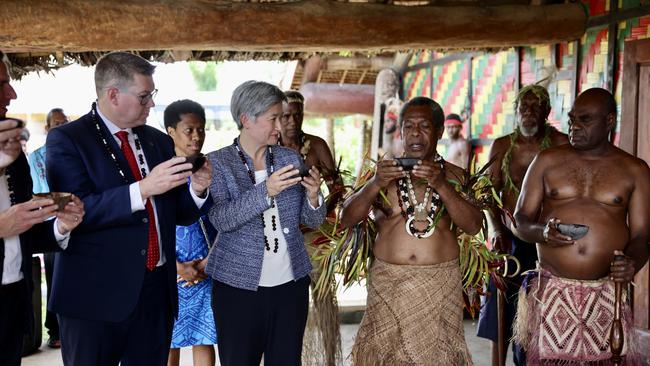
{"x":414,"y":309}
{"x":566,"y":307}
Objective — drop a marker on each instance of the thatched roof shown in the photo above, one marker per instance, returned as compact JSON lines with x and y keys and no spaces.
{"x":44,"y":34}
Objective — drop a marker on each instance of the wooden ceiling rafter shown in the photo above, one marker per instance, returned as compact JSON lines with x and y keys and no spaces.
{"x":326,"y":26}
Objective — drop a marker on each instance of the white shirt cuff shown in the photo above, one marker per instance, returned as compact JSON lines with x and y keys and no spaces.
{"x":61,"y":239}
{"x":198,"y":200}
{"x":137,"y":204}
{"x":320,"y":202}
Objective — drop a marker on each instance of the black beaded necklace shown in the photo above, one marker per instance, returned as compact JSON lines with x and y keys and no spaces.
{"x":107,"y":146}
{"x":10,"y":186}
{"x":251,"y":175}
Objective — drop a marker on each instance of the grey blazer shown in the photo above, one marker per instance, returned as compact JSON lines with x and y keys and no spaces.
{"x":239,"y":248}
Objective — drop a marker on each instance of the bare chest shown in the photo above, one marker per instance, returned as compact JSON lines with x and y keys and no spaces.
{"x":521,"y":158}
{"x":457,"y":148}
{"x":604,"y":183}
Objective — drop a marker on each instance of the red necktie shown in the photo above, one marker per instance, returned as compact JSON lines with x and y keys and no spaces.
{"x":153,"y":252}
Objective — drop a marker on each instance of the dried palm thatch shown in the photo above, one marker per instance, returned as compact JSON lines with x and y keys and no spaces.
{"x":23,"y":63}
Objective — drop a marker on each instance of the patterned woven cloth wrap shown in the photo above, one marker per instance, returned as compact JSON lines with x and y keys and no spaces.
{"x":414,"y":316}
{"x":563,"y":321}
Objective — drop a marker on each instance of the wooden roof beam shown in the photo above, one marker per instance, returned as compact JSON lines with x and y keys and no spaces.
{"x":102,"y":25}
{"x":329,"y":99}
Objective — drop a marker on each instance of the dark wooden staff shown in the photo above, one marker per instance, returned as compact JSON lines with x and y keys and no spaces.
{"x":502,"y":342}
{"x":501,"y":328}
{"x":616,"y":335}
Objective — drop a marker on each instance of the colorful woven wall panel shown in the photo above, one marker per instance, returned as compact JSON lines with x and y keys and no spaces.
{"x":450,"y":87}
{"x":493,"y":78}
{"x":594,"y":59}
{"x":627,"y":4}
{"x":538,"y":65}
{"x":417,"y":83}
{"x":534,"y":60}
{"x":597,"y":7}
{"x":420,"y":57}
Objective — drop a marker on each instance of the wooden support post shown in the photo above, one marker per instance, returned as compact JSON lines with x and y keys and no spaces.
{"x":612,"y":47}
{"x":575,"y":79}
{"x":330,"y":135}
{"x":470,"y":97}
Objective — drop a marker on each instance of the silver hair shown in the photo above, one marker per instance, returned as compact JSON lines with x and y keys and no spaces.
{"x":253,"y":98}
{"x":117,"y":69}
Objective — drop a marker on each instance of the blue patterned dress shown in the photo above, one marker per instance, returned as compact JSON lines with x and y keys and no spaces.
{"x":195,"y":324}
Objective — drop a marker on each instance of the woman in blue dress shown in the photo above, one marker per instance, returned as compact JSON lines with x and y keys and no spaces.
{"x":185,"y":123}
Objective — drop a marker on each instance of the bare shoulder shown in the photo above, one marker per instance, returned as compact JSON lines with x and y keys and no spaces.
{"x":316,"y":141}
{"x":500,"y":145}
{"x":638,"y":167}
{"x":553,"y":155}
{"x":559,"y":138}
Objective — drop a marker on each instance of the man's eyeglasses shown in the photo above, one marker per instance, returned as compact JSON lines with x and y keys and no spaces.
{"x":145,"y":98}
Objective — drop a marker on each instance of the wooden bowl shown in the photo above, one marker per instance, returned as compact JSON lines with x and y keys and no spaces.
{"x":575,"y":231}
{"x":60,"y":198}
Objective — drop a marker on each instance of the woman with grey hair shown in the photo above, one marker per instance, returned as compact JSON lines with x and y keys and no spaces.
{"x":259,"y":265}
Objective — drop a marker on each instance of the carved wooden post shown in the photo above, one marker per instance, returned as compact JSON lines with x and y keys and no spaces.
{"x":386,"y":86}
{"x":330,"y":135}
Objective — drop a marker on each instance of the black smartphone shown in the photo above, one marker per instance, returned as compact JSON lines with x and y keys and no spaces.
{"x":197,"y":161}
{"x":303,"y":171}
{"x":407,"y":163}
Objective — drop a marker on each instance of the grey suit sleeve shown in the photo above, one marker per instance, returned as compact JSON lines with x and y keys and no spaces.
{"x":229,"y":214}
{"x":310,"y":217}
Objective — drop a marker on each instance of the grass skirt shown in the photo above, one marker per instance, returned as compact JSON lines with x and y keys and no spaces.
{"x":414,"y":316}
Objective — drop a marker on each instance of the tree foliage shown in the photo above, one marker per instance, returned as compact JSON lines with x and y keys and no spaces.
{"x":205,"y":75}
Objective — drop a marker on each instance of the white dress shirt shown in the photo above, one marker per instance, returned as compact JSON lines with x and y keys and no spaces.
{"x":137,"y":203}
{"x":13,"y":255}
{"x":276,"y":267}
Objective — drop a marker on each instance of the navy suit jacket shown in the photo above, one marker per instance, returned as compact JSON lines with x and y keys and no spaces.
{"x":100,"y":274}
{"x":35,"y":240}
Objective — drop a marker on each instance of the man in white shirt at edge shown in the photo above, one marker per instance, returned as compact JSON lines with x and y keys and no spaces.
{"x":23,"y":230}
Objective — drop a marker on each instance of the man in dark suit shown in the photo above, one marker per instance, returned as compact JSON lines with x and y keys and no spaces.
{"x":114,"y":287}
{"x":23,"y":230}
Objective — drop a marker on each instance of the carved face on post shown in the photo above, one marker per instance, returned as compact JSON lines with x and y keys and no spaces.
{"x":391,"y":115}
